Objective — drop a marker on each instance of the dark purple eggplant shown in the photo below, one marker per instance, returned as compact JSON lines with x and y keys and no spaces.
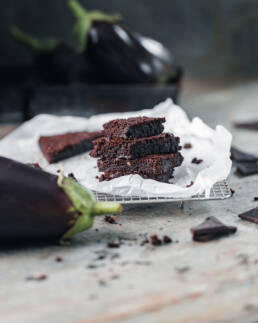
{"x":55,"y":62}
{"x":117,"y":54}
{"x":39,"y":206}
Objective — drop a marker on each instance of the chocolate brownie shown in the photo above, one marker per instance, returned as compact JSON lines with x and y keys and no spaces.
{"x":105,"y":147}
{"x":59,"y":147}
{"x":107,"y":176}
{"x":154,"y":164}
{"x":134,"y":127}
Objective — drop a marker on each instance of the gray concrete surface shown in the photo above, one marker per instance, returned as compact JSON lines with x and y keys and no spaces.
{"x":184,"y":281}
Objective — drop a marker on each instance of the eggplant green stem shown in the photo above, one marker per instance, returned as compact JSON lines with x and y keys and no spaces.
{"x":85,"y":19}
{"x":84,"y":206}
{"x":32,"y":42}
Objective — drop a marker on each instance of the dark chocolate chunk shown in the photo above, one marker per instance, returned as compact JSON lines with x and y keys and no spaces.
{"x":132,"y":128}
{"x":251,"y":215}
{"x":196,"y":161}
{"x":59,"y":147}
{"x":247,"y":169}
{"x":59,"y":259}
{"x":242,"y":157}
{"x":211,"y":229}
{"x":252,"y":125}
{"x":105,"y":147}
{"x":256,"y":198}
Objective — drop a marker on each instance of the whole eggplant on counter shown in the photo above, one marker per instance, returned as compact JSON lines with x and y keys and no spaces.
{"x":55,"y":62}
{"x":117,"y":54}
{"x":39,"y":206}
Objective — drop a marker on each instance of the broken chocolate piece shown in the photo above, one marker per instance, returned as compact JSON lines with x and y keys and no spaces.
{"x":252,"y":125}
{"x":242,"y":157}
{"x":166,"y":239}
{"x":256,"y":198}
{"x":211,"y":229}
{"x":247,"y":169}
{"x":113,"y":245}
{"x":190,"y":184}
{"x":110,"y":219}
{"x":251,"y":215}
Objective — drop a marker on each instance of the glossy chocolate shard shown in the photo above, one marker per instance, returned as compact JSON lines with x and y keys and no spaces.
{"x":252,"y":125}
{"x":247,"y":169}
{"x":137,"y":127}
{"x":251,"y":215}
{"x":242,"y":157}
{"x":211,"y":229}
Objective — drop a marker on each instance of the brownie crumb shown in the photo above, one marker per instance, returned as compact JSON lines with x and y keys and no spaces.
{"x":197,"y":161}
{"x":144,"y":242}
{"x":256,"y":198}
{"x":166,"y":239}
{"x":232,"y":191}
{"x":71,"y":175}
{"x":37,"y":278}
{"x":191,"y":184}
{"x":187,"y":146}
{"x":59,"y":259}
{"x":155,"y":241}
{"x":113,"y":245}
{"x":110,"y":219}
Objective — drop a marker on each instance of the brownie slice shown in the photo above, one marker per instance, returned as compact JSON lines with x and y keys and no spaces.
{"x":107,"y":176}
{"x":59,"y":147}
{"x":105,"y":147}
{"x":154,"y":164}
{"x":134,"y":127}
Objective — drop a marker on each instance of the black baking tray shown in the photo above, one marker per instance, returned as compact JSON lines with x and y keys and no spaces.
{"x":21,"y":99}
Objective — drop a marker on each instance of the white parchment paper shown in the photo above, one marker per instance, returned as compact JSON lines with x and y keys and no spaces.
{"x":213,"y":146}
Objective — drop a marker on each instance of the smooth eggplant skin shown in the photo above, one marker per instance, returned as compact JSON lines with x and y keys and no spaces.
{"x":119,"y":55}
{"x":32,"y":206}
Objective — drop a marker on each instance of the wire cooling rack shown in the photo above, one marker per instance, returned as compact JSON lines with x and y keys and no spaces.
{"x":219,"y":191}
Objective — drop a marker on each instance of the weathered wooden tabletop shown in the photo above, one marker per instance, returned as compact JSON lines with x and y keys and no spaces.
{"x":184,"y":281}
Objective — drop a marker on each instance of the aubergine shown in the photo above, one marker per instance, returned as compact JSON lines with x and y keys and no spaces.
{"x":55,"y":62}
{"x":117,"y":54}
{"x":39,"y":206}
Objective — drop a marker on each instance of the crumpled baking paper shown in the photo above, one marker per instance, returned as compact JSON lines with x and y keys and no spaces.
{"x":213,"y":146}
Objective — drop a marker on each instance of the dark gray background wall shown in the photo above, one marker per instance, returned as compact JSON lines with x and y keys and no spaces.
{"x":209,"y":38}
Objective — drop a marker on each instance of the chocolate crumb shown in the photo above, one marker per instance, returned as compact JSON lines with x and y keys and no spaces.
{"x":167,"y":239}
{"x":144,"y":242}
{"x":37,"y":278}
{"x":96,"y":230}
{"x":59,"y":259}
{"x":58,"y":171}
{"x":191,"y":184}
{"x":155,"y":241}
{"x":197,"y":161}
{"x":110,"y":219}
{"x":71,"y":175}
{"x":256,"y":198}
{"x":96,"y":177}
{"x":232,"y":191}
{"x":187,"y":146}
{"x":113,"y":245}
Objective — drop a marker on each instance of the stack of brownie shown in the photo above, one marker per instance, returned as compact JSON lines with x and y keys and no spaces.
{"x":137,"y":146}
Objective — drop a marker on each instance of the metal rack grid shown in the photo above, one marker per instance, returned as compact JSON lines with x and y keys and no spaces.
{"x":219,"y":191}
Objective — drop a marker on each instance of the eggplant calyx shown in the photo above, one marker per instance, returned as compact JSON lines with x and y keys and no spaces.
{"x":84,"y":206}
{"x":37,"y":45}
{"x":85,"y":19}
